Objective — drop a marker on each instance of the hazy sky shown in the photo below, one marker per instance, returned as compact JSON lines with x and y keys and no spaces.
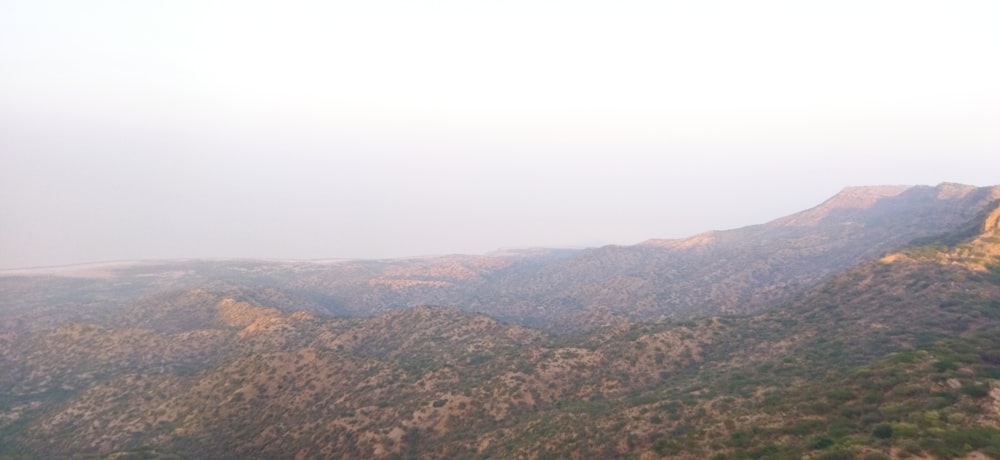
{"x":174,"y":129}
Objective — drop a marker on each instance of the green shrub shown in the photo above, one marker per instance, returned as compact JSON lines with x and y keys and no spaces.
{"x":976,"y":390}
{"x":994,"y":273}
{"x":945,"y":365}
{"x":667,"y":447}
{"x":956,"y":418}
{"x":882,"y":431}
{"x":837,"y":454}
{"x":976,"y":437}
{"x":804,"y":427}
{"x":739,"y":439}
{"x":840,"y":395}
{"x":820,"y":442}
{"x":764,"y":452}
{"x":876,"y":456}
{"x":905,"y":430}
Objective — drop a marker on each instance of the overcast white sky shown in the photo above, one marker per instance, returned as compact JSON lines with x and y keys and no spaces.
{"x":175,"y":129}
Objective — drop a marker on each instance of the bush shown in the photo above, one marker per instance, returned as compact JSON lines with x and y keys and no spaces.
{"x":882,"y":431}
{"x":977,"y":437}
{"x":945,"y":365}
{"x":903,"y":429}
{"x":840,"y":395}
{"x":804,"y":427}
{"x":764,"y":452}
{"x":994,"y":273}
{"x":820,"y":442}
{"x":976,"y":391}
{"x":667,"y":447}
{"x":739,"y":439}
{"x":837,"y":454}
{"x":876,"y":456}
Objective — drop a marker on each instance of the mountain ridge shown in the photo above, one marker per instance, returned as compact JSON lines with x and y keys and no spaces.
{"x":726,"y":271}
{"x":888,"y":359}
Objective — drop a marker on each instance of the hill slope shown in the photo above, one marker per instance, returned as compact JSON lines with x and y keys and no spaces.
{"x":733,"y":271}
{"x":893,"y":357}
{"x":747,"y":269}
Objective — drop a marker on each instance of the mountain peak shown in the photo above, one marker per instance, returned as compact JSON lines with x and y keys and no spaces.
{"x":950,"y":190}
{"x":851,"y":203}
{"x":865,"y":195}
{"x":849,"y":198}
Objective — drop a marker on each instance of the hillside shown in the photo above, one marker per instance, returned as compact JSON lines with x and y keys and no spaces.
{"x":748,"y":269}
{"x":734,"y":271}
{"x":894,"y":358}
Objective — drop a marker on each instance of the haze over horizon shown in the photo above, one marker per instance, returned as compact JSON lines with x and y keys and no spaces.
{"x":309,"y":130}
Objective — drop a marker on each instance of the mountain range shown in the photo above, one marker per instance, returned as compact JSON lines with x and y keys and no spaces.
{"x":866,"y":327}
